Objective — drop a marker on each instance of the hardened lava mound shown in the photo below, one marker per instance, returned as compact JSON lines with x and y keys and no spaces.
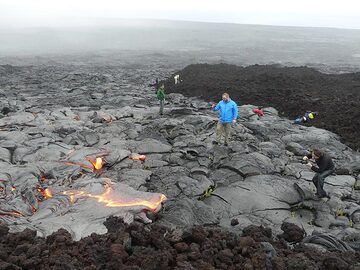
{"x":292,"y":90}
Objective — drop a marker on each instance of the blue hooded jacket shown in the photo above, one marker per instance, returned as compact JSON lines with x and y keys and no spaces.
{"x":228,"y":111}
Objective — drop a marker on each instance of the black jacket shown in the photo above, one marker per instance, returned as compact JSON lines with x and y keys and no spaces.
{"x":324,"y":163}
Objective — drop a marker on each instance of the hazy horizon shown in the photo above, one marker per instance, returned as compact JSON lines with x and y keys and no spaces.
{"x":257,"y":31}
{"x":83,"y":23}
{"x":305,"y":13}
{"x":190,"y":41}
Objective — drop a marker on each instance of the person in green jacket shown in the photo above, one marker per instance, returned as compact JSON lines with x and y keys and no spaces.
{"x":160,"y":93}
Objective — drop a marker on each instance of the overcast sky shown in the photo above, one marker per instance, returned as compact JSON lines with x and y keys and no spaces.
{"x":318,"y":13}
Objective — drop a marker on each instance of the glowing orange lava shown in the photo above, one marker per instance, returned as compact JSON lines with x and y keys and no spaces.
{"x":107,"y":199}
{"x":95,"y":164}
{"x":45,"y":192}
{"x":138,"y":157}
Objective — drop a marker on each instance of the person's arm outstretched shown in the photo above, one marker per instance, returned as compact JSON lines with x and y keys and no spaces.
{"x":216,"y":108}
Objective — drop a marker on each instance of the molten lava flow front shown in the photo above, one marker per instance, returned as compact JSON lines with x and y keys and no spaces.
{"x":95,"y":164}
{"x":108,"y":200}
{"x":98,"y":163}
{"x":46,"y":192}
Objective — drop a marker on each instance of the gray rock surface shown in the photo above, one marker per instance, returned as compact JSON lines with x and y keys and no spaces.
{"x":51,"y":139}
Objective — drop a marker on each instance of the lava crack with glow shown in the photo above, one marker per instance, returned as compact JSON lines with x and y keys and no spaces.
{"x":110,"y":199}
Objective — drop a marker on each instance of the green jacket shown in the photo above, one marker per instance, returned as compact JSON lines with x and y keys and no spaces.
{"x":160,"y":93}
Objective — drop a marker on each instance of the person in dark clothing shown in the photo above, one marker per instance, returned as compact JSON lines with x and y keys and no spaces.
{"x":306,"y":118}
{"x":325,"y":167}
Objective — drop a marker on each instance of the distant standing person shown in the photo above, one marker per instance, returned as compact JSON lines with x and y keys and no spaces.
{"x":228,"y":113}
{"x":325,"y":167}
{"x":177,"y":78}
{"x":160,"y":93}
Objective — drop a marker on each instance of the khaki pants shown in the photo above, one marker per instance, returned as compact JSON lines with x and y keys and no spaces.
{"x":223,"y":128}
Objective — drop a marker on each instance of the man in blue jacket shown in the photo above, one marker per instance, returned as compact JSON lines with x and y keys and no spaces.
{"x":228,"y":113}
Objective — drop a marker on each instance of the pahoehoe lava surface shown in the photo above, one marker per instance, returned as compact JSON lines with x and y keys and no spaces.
{"x":54,"y":116}
{"x":291,"y":90}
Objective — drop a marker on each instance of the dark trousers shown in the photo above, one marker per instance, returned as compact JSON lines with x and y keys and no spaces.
{"x":318,"y":181}
{"x":161,"y":107}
